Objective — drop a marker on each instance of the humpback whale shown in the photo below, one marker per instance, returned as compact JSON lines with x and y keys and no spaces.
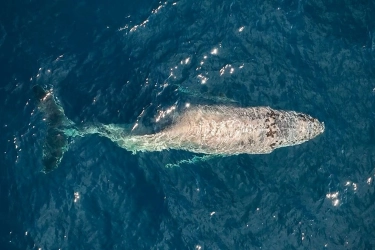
{"x":211,"y":130}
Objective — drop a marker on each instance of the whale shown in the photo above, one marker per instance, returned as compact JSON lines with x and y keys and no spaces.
{"x":202,"y":129}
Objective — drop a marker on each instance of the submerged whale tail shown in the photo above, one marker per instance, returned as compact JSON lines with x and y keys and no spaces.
{"x":56,"y":139}
{"x":60,"y":129}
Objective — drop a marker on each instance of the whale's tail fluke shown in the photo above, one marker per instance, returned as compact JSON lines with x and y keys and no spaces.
{"x":60,"y":129}
{"x":56,"y":140}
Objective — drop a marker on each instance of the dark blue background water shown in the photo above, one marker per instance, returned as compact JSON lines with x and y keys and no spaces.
{"x":109,"y":61}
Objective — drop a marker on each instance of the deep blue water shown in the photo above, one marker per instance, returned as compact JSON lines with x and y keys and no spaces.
{"x":109,"y":61}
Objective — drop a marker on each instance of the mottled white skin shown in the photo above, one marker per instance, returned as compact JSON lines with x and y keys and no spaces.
{"x":222,"y":130}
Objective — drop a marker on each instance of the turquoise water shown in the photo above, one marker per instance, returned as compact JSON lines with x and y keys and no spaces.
{"x":123,"y":62}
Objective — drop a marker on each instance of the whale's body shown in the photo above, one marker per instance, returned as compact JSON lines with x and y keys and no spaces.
{"x":214,"y":130}
{"x":224,"y":130}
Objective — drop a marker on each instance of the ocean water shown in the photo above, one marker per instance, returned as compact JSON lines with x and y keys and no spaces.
{"x":126,"y":61}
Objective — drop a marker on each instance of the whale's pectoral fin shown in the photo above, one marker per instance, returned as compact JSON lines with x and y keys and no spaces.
{"x":56,"y":141}
{"x":195,"y":159}
{"x":204,"y":97}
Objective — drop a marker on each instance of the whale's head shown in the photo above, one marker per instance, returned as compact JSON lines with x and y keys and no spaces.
{"x":309,"y":127}
{"x":315,"y":128}
{"x":296,"y":128}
